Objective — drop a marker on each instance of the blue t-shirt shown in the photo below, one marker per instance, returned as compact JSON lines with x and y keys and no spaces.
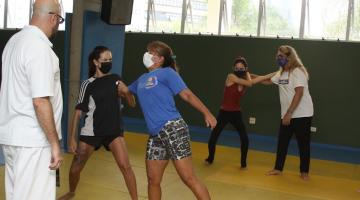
{"x":155,"y":91}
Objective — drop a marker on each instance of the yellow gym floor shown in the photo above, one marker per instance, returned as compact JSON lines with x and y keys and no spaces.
{"x":101,"y":179}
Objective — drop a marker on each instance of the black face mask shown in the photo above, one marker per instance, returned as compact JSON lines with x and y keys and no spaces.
{"x":105,"y":67}
{"x":240,"y":74}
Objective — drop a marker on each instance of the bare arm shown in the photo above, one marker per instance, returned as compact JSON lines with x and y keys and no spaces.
{"x":72,"y":142}
{"x":124,"y":92}
{"x":194,"y":101}
{"x":130,"y":99}
{"x":299,"y":91}
{"x":265,"y":79}
{"x":45,"y":116}
{"x":231,"y":78}
{"x":254,"y":75}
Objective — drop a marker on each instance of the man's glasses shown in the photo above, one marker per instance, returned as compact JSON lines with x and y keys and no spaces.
{"x":61,"y":19}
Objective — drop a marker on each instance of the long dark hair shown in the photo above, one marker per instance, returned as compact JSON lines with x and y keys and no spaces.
{"x":95,"y":54}
{"x":242,"y":60}
{"x":164,"y":50}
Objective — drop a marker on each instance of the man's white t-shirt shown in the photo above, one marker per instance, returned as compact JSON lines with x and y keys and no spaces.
{"x":30,"y":69}
{"x":287,"y":82}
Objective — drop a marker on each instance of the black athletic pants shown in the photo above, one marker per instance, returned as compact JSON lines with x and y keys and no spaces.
{"x":301,"y":128}
{"x":235,"y":118}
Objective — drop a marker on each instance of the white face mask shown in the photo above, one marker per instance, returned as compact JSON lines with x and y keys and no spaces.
{"x":147,"y":60}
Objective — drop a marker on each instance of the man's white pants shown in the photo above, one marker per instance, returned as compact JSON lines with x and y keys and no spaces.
{"x":27,"y":173}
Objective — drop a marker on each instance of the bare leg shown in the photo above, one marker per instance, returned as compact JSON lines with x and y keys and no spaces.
{"x":67,"y":196}
{"x":83,"y":153}
{"x":119,"y":151}
{"x":155,"y":171}
{"x":185,"y":170}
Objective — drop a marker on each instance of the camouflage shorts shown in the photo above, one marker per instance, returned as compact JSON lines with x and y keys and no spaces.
{"x":172,"y":142}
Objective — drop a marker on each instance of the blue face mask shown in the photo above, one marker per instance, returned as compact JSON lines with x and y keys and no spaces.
{"x":282,"y":61}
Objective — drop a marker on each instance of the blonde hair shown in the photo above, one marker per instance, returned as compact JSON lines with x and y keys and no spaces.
{"x":293,"y":59}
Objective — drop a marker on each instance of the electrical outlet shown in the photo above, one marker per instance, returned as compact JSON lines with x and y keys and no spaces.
{"x":313,"y":129}
{"x":252,"y":120}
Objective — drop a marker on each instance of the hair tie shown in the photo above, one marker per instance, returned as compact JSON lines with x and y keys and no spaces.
{"x":173,"y":57}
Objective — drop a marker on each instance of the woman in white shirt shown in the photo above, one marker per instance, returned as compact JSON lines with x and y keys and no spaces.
{"x":296,"y":109}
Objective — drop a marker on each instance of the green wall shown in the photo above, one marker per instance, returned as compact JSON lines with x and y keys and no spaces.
{"x":58,"y":43}
{"x":206,"y":60}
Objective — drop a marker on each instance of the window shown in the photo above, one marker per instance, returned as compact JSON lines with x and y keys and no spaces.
{"x":139,"y":16}
{"x":355,"y":29}
{"x":19,"y":12}
{"x":2,"y":13}
{"x":66,"y":7}
{"x":202,"y":16}
{"x":243,"y":17}
{"x":326,"y":19}
{"x":165,"y":15}
{"x":282,"y":18}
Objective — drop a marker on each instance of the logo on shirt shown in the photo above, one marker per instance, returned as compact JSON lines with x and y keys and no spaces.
{"x":283,"y":81}
{"x":151,"y":82}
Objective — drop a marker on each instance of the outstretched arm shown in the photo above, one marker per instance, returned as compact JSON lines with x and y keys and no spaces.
{"x":232,"y":78}
{"x":265,"y":79}
{"x":124,"y":92}
{"x":194,"y":101}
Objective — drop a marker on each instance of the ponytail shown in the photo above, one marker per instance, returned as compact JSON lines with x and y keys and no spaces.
{"x":95,"y":55}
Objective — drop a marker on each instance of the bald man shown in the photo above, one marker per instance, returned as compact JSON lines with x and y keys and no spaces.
{"x":31,"y":107}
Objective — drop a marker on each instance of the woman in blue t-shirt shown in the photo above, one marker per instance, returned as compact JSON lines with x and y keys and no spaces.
{"x":169,"y":133}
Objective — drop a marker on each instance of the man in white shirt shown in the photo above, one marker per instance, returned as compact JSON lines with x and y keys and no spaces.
{"x":31,"y":107}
